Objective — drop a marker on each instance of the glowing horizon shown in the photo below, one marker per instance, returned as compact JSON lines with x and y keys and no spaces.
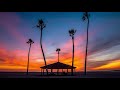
{"x":17,"y":27}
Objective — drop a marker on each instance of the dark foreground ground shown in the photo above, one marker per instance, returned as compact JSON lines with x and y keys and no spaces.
{"x":100,"y":74}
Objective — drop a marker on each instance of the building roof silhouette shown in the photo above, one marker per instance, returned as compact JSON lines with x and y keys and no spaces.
{"x":57,"y":65}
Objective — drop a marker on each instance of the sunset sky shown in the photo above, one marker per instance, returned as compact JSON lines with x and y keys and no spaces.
{"x":17,"y":27}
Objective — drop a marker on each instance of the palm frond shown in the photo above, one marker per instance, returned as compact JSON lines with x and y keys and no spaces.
{"x":30,"y":41}
{"x":58,"y":49}
{"x":83,"y":18}
{"x":72,"y":32}
{"x":40,"y":21}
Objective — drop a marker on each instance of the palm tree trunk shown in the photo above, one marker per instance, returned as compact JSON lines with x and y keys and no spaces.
{"x":86,"y":47}
{"x":43,"y":51}
{"x":58,"y":56}
{"x":73,"y":55}
{"x":28,"y":59}
{"x":58,"y":61}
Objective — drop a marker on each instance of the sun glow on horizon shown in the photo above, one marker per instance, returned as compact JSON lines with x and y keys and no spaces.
{"x":111,"y":65}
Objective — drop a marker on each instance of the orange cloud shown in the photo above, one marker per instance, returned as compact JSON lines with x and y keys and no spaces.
{"x":110,"y":66}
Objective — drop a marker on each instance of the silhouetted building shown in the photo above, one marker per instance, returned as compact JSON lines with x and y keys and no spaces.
{"x":57,"y":65}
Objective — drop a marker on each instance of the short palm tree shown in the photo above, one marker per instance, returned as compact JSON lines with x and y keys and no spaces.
{"x":57,"y":50}
{"x":72,"y":32}
{"x":30,"y":41}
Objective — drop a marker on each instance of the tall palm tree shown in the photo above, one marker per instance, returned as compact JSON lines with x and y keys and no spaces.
{"x":42,"y":25}
{"x":57,"y":50}
{"x":86,"y":17}
{"x":72,"y":32}
{"x":30,"y":41}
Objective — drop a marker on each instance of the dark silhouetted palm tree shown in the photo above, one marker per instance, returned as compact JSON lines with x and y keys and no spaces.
{"x":30,"y":41}
{"x":72,"y":32}
{"x":57,"y":50}
{"x":86,"y":17}
{"x":42,"y":25}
